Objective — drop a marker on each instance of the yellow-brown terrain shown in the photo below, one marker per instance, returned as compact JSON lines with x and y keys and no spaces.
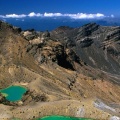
{"x":59,"y":82}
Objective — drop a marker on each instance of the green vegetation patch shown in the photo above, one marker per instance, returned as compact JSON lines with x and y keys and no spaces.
{"x":4,"y":94}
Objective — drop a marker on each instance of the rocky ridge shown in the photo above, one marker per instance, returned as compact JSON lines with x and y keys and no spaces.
{"x":98,"y":46}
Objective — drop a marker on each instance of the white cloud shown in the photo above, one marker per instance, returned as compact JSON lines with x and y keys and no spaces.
{"x":72,"y":16}
{"x":32,"y":14}
{"x":85,"y":16}
{"x":75,"y":16}
{"x":52,"y":14}
{"x":112,"y":16}
{"x":14,"y":16}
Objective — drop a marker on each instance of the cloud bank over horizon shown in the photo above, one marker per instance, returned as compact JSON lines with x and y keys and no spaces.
{"x":72,"y":16}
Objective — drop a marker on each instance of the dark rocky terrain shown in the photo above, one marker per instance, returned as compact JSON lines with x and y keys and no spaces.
{"x":68,"y":71}
{"x":98,"y":46}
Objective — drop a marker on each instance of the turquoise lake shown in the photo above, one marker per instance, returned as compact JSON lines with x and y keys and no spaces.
{"x":62,"y":118}
{"x":13,"y":93}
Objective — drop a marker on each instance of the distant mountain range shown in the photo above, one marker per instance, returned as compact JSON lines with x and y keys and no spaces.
{"x":42,"y":24}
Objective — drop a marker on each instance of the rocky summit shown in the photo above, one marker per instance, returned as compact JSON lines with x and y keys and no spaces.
{"x":67,"y":71}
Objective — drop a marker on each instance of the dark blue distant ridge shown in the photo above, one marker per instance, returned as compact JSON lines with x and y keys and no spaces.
{"x":42,"y":24}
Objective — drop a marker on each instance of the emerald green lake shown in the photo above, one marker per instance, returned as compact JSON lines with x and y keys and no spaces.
{"x":62,"y":118}
{"x":13,"y":93}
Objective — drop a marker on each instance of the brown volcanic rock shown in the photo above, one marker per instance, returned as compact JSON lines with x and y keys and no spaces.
{"x":59,"y":80}
{"x":2,"y":98}
{"x":45,"y":49}
{"x":6,"y":26}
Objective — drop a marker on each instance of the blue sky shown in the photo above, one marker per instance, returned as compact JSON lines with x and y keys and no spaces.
{"x":86,"y":7}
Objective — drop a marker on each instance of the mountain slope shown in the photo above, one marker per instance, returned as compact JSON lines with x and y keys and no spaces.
{"x":98,"y":46}
{"x":59,"y":79}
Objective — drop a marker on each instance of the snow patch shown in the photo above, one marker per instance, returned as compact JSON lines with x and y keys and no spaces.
{"x":115,"y":118}
{"x":99,"y":104}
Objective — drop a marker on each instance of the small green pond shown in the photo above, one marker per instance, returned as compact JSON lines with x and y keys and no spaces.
{"x":61,"y":118}
{"x":13,"y":93}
